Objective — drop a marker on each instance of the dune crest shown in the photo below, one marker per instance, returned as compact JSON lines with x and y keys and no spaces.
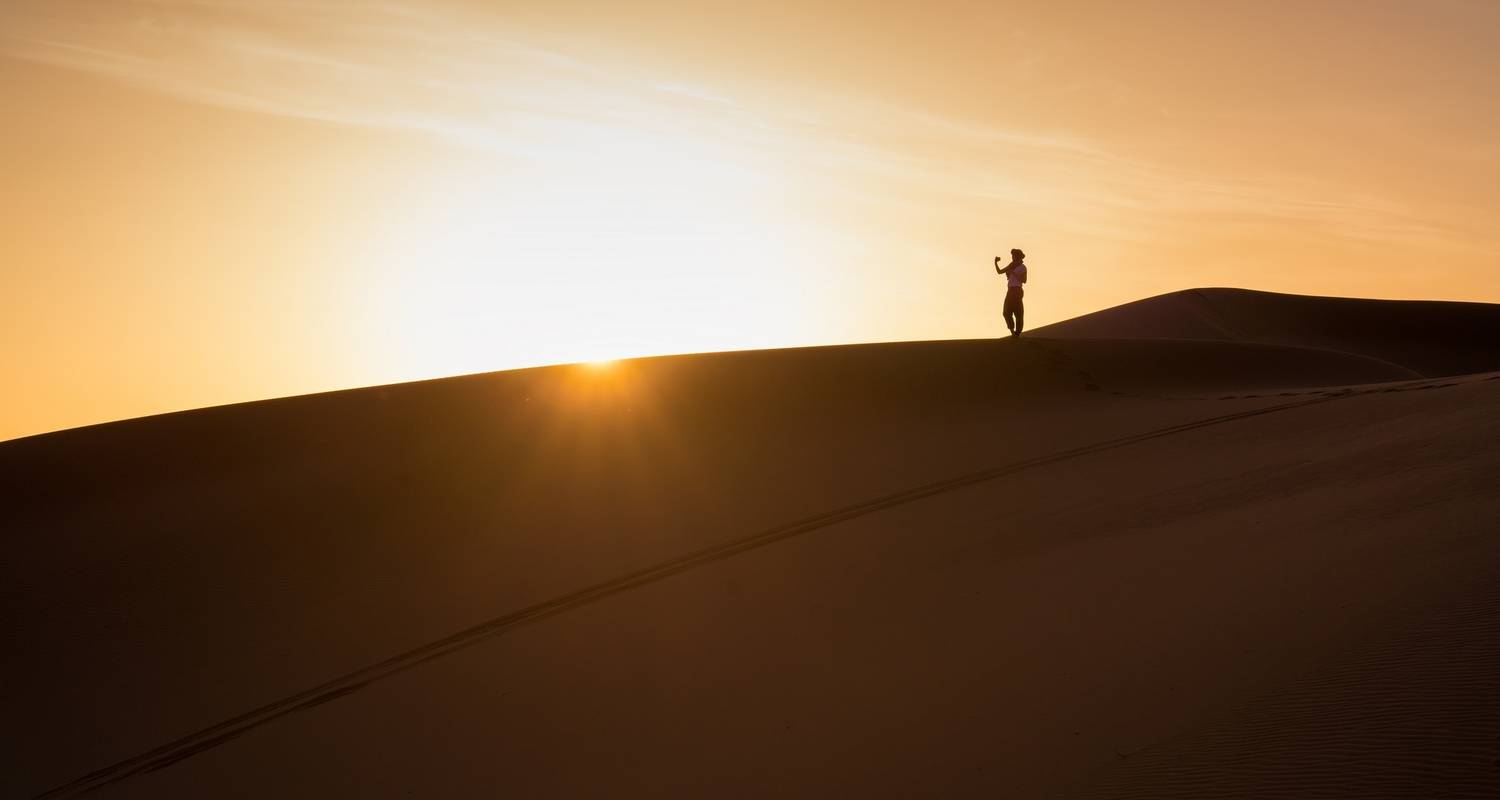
{"x":1433,"y":338}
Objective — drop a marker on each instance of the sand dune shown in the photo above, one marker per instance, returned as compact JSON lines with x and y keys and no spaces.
{"x":1208,"y":543}
{"x":1432,"y":338}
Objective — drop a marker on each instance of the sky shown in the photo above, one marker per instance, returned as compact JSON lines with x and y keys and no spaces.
{"x":214,"y":201}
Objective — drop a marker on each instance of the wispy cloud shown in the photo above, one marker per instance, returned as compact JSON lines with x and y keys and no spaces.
{"x":432,"y":70}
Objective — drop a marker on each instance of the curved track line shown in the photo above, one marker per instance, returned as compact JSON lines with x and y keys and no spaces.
{"x":214,"y":735}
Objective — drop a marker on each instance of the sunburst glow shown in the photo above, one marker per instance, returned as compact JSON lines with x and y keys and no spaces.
{"x":605,"y":243}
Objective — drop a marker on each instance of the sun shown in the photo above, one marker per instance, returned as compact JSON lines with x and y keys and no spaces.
{"x":608,"y":243}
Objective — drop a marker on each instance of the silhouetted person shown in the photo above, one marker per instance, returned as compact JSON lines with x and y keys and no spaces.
{"x":1015,"y":276}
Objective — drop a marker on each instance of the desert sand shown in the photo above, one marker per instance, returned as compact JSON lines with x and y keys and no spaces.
{"x":1216,"y":543}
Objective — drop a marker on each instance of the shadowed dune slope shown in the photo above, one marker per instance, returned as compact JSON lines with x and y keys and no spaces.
{"x":1430,"y":337}
{"x":921,"y":567}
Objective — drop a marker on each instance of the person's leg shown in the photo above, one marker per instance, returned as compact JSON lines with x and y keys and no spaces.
{"x":1020,"y":311}
{"x":1012,"y":310}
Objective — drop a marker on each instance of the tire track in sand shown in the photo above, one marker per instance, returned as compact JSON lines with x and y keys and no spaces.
{"x":176,"y":750}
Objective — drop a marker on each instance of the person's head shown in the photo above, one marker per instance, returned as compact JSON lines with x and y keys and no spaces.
{"x":1017,"y":254}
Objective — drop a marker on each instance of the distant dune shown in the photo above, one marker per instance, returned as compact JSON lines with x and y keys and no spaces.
{"x":1429,"y":337}
{"x":1217,"y":543}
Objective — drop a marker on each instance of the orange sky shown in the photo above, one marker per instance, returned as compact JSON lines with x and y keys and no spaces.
{"x":210,"y":201}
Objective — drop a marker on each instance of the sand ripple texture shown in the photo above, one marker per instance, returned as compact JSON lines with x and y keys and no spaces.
{"x":1414,"y":716}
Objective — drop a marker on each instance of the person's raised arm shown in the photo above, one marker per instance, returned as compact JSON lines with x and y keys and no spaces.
{"x":1008,"y":267}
